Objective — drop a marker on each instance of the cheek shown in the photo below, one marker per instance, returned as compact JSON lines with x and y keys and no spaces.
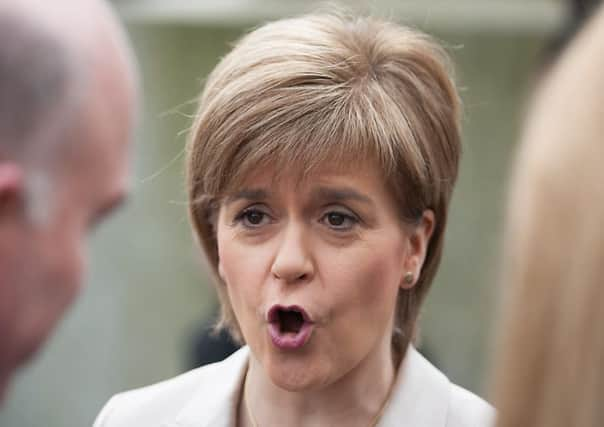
{"x":49,"y":279}
{"x":70,"y":267}
{"x":235,"y":264}
{"x":243,"y":269}
{"x":365,"y":285}
{"x":11,"y":309}
{"x":368,"y":276}
{"x":64,"y":266}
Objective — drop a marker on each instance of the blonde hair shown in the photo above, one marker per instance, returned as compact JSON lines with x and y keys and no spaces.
{"x":330,"y":88}
{"x":550,"y":357}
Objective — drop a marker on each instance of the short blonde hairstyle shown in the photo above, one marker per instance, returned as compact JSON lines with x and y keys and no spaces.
{"x":330,"y":88}
{"x":549,"y":369}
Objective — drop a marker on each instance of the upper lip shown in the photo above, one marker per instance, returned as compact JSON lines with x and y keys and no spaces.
{"x":273,"y":313}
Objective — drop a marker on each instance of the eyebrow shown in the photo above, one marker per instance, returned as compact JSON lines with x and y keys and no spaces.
{"x":342,"y":194}
{"x":339,"y":194}
{"x":248,"y":194}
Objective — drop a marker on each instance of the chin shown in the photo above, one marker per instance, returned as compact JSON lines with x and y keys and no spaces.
{"x":296,"y":372}
{"x":30,"y":346}
{"x":28,"y":353}
{"x":16,"y":354}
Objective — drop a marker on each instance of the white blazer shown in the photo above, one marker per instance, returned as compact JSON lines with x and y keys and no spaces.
{"x":208,"y":397}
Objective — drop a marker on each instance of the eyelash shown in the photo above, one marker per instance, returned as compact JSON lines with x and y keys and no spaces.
{"x":245,"y":214}
{"x":351,"y":219}
{"x":243,"y":217}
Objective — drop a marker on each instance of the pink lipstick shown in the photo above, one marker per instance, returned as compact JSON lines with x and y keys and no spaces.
{"x":289,"y":327}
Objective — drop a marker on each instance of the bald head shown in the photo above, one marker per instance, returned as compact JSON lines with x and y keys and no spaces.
{"x":67,"y":95}
{"x":52,"y":54}
{"x":35,"y":77}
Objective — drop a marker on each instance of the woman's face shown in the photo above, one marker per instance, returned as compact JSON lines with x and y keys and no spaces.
{"x":313,"y":269}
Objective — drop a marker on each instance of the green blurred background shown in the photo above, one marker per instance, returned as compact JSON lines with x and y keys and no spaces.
{"x":148,"y":291}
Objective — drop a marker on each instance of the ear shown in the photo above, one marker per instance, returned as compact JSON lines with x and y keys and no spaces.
{"x":419,"y":239}
{"x":11,"y":188}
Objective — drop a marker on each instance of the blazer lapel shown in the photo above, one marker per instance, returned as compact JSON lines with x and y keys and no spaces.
{"x":214,"y":403}
{"x":421,"y":395}
{"x":420,"y":398}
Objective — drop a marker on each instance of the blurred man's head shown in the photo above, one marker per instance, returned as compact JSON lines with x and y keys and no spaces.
{"x":67,"y":95}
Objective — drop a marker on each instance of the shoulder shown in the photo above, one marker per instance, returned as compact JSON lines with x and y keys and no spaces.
{"x":162,"y":403}
{"x":468,"y":410}
{"x":424,"y":396}
{"x":151,"y":405}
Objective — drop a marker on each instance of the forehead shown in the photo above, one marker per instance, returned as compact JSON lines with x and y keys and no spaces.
{"x":281,"y":171}
{"x":362,"y":183}
{"x":299,"y":177}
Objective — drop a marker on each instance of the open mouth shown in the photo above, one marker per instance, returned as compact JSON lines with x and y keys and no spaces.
{"x":290,"y":321}
{"x":289,"y":327}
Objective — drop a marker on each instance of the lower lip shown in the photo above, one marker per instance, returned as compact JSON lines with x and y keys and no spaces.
{"x":289,"y":341}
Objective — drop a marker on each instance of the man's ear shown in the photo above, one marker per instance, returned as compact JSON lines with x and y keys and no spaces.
{"x":11,"y":187}
{"x":419,"y":239}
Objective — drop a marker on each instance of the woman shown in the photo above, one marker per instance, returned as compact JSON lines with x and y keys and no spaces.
{"x":550,"y":364}
{"x":320,"y":170}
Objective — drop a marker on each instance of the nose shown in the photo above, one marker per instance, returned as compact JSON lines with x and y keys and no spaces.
{"x":293,"y":262}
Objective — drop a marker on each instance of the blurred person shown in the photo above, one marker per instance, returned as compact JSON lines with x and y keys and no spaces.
{"x":577,"y":13}
{"x":320,"y":169}
{"x":67,"y":90}
{"x":549,"y":368}
{"x":209,"y":345}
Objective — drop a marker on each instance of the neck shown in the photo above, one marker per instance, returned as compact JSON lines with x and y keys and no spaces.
{"x":353,"y":400}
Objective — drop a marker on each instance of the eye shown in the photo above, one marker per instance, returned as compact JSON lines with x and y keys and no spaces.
{"x":339,"y":220}
{"x":253,"y":218}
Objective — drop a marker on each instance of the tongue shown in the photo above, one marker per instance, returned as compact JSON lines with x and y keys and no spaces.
{"x":291,"y":322}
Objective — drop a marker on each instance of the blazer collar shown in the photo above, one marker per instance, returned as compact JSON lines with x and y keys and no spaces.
{"x":420,"y":397}
{"x":214,"y":403}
